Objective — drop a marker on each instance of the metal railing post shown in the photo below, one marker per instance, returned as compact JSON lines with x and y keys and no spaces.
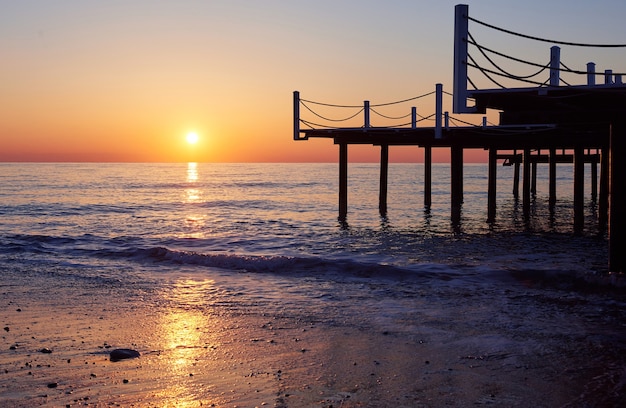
{"x":555,"y":65}
{"x":438,"y":110}
{"x":296,"y":115}
{"x":591,"y":73}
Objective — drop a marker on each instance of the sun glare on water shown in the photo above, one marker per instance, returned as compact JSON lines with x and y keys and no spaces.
{"x":192,"y":138}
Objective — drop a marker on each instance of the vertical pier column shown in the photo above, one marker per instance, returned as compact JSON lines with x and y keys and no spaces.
{"x":526,"y":184}
{"x":428,"y":175}
{"x":579,"y":190}
{"x":384,"y":177}
{"x":533,"y":180}
{"x":594,"y":176}
{"x":552,"y":178}
{"x":603,"y":205}
{"x":516,"y":165}
{"x":343,"y":180}
{"x":491,"y":189}
{"x":456,"y":181}
{"x":617,"y":196}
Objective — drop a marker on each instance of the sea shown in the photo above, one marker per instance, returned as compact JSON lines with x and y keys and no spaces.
{"x":266,"y":238}
{"x":283,"y":218}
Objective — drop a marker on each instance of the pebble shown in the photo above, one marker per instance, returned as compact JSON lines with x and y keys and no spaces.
{"x":123,"y":354}
{"x":45,"y":350}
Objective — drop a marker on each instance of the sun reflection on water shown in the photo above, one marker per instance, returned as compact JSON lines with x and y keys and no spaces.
{"x":188,"y":336}
{"x":195,"y":222}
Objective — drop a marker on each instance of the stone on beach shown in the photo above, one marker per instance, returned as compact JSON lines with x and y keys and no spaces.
{"x":123,"y":354}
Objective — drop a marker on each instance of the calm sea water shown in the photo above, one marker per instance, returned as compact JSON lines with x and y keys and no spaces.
{"x":281,"y":218}
{"x":263,"y":240}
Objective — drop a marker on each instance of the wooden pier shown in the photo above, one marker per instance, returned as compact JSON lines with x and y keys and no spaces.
{"x":549,"y":123}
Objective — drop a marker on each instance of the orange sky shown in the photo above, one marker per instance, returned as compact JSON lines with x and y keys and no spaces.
{"x":127,"y":80}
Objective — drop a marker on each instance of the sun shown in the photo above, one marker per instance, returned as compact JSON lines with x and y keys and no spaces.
{"x":192,"y":138}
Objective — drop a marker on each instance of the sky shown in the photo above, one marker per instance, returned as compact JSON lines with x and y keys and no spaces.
{"x":127,"y":80}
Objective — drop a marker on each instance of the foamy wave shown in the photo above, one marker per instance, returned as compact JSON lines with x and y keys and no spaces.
{"x":270,"y":264}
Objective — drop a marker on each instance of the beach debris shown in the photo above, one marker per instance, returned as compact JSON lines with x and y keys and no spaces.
{"x":45,"y":350}
{"x":6,"y":328}
{"x":123,"y":354}
{"x":53,"y":385}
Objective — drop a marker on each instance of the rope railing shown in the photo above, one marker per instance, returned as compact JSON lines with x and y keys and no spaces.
{"x":530,"y":37}
{"x":491,"y":69}
{"x":365,"y":109}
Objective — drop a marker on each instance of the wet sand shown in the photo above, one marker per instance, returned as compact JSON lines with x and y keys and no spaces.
{"x":194,"y":356}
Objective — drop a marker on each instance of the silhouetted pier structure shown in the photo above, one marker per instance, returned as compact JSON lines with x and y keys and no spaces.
{"x":550,"y":122}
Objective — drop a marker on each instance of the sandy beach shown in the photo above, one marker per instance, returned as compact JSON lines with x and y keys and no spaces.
{"x":56,"y":344}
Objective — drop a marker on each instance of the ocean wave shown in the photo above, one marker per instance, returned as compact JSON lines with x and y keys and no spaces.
{"x":278,"y":264}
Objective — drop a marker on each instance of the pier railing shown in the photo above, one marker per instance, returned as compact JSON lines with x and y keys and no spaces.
{"x":326,"y":115}
{"x":483,"y":62}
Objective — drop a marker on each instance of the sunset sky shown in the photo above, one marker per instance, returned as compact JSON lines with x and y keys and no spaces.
{"x":128,"y":80}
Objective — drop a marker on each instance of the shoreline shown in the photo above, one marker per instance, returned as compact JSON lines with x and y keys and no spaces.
{"x":193,"y":355}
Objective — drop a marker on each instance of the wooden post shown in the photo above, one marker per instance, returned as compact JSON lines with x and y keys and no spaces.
{"x":366,"y":113}
{"x":533,"y":181}
{"x":552,"y":178}
{"x":296,"y":115}
{"x":555,"y":65}
{"x":515,"y":175}
{"x":594,"y":176}
{"x":491,"y":189}
{"x":438,"y":110}
{"x":456,"y":181}
{"x":459,"y":91}
{"x":384,"y":171}
{"x":428,"y":175}
{"x":413,"y":117}
{"x":617,"y":196}
{"x":591,"y":73}
{"x":343,"y":181}
{"x":603,"y":205}
{"x":526,"y":184}
{"x":579,"y":191}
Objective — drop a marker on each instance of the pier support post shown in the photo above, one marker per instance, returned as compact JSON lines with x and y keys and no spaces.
{"x":456,"y":181}
{"x":579,"y":190}
{"x":384,"y":177}
{"x":526,"y":184}
{"x":491,"y":189}
{"x":617,"y":196}
{"x":594,"y":176}
{"x":552,"y":178}
{"x":603,"y":205}
{"x":343,"y":181}
{"x":533,"y":180}
{"x":428,"y":175}
{"x":516,"y":165}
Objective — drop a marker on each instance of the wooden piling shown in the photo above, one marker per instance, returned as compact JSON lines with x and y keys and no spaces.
{"x":533,"y":179}
{"x":384,"y":176}
{"x":343,"y":180}
{"x":617,"y":196}
{"x":594,"y":179}
{"x":456,"y":181}
{"x":579,"y":190}
{"x":428,"y":175}
{"x":491,"y":188}
{"x":526,"y":184}
{"x":603,"y":204}
{"x":552,"y":178}
{"x":516,"y":176}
